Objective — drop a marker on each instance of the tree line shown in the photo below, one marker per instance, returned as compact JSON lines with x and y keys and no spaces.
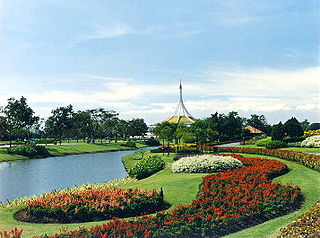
{"x":226,"y":127}
{"x":18,"y":121}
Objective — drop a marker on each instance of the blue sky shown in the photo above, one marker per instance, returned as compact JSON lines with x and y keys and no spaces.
{"x":248,"y":56}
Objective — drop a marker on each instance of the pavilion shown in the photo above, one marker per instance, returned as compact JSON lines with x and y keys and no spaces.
{"x":181,"y":114}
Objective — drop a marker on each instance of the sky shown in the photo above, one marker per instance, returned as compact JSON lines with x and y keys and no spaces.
{"x":250,"y":56}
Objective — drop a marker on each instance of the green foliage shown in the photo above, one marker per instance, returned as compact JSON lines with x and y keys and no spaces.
{"x":28,"y":150}
{"x":278,"y":132}
{"x":146,"y":167}
{"x":152,"y":142}
{"x":129,"y":144}
{"x":314,"y":126}
{"x":293,"y":128}
{"x":275,"y":144}
{"x":294,"y":144}
{"x":263,"y":142}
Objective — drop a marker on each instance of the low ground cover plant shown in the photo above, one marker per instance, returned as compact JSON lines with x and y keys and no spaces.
{"x":146,"y":167}
{"x":227,"y":202}
{"x":205,"y":164}
{"x":263,"y":142}
{"x":93,"y":204}
{"x":28,"y":150}
{"x":307,"y":225}
{"x":312,"y":141}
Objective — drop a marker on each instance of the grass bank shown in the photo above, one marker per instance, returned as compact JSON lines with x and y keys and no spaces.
{"x":60,"y":150}
{"x":182,"y":189}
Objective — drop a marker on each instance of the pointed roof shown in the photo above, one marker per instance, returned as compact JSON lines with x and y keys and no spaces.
{"x":253,"y":130}
{"x":181,"y":114}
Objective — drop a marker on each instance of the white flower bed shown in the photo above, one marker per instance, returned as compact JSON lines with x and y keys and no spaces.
{"x":312,"y":141}
{"x":205,"y":164}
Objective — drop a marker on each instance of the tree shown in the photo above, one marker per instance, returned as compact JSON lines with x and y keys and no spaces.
{"x":258,"y":122}
{"x":305,"y":124}
{"x":165,"y":131}
{"x":278,"y":132}
{"x":314,"y":126}
{"x":82,"y":124}
{"x":60,"y":123}
{"x":17,"y":115}
{"x":293,"y":128}
{"x":137,"y":127}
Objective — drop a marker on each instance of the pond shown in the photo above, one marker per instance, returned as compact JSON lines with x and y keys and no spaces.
{"x":36,"y":176}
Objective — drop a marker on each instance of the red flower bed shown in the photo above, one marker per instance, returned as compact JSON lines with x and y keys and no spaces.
{"x":228,"y":201}
{"x":92,"y":204}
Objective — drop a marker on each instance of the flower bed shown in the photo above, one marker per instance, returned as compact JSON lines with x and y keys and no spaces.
{"x":312,"y":141}
{"x":309,"y":160}
{"x":306,"y":225}
{"x":205,"y":164}
{"x":227,"y":202}
{"x":93,"y":204}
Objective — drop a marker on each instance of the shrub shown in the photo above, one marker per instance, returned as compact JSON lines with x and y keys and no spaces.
{"x":293,"y":139}
{"x":165,"y":149}
{"x":294,"y":144}
{"x":205,"y":164}
{"x":28,"y":150}
{"x":312,"y":141}
{"x":276,"y":144}
{"x":138,"y":155}
{"x":312,"y":132}
{"x":146,"y":167}
{"x":263,"y":142}
{"x":185,"y":151}
{"x":129,"y":144}
{"x":152,"y":142}
{"x":94,"y":204}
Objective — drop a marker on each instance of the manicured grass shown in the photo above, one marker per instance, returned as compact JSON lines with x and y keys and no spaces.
{"x":182,"y":189}
{"x":178,"y":188}
{"x":59,"y":150}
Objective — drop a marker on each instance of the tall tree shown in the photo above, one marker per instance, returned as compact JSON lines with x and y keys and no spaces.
{"x":17,"y":115}
{"x":278,"y":132}
{"x":60,"y":123}
{"x":293,"y":128}
{"x":258,"y":121}
{"x":137,"y":127}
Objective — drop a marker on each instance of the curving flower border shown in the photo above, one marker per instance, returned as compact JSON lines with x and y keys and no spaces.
{"x":228,"y":201}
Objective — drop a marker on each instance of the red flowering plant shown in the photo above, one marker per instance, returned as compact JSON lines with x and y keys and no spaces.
{"x":227,"y":201}
{"x":94,"y":204}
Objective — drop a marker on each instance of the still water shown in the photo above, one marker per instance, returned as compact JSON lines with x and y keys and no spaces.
{"x":36,"y":176}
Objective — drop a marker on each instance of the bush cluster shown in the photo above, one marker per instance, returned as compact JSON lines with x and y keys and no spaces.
{"x":275,"y":144}
{"x":129,"y":144}
{"x":263,"y":142}
{"x":165,"y":149}
{"x":205,"y":164}
{"x":152,"y":142}
{"x":312,"y":141}
{"x":28,"y":150}
{"x":146,"y":167}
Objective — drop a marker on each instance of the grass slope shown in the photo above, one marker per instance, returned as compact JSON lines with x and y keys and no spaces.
{"x":60,"y":150}
{"x":182,"y":189}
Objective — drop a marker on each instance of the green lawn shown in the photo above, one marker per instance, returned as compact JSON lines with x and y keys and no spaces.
{"x":59,"y":150}
{"x":182,"y":189}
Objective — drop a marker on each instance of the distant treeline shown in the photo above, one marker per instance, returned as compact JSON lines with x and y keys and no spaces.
{"x":17,"y":121}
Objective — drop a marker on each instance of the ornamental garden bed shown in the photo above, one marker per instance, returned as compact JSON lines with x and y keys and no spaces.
{"x":227,"y":202}
{"x":91,"y":205}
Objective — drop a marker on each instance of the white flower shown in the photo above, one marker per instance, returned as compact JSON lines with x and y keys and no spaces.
{"x":205,"y":164}
{"x":312,"y":141}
